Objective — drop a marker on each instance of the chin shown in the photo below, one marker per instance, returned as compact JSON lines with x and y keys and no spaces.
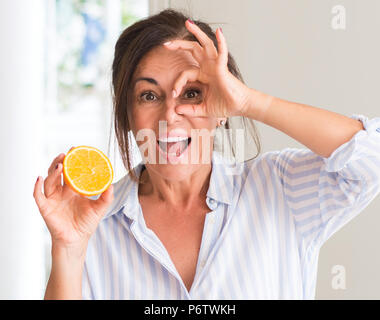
{"x":173,"y":172}
{"x":176,"y":170}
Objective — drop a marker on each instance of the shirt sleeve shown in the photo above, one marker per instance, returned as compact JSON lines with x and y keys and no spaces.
{"x":323,"y":194}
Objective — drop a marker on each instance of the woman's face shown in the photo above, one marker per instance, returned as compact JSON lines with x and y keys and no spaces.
{"x":167,"y":140}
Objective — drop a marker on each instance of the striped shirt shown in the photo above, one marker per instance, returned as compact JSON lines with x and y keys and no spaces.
{"x":268,"y":219}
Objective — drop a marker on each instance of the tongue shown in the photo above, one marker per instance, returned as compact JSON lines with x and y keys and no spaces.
{"x":177,"y":147}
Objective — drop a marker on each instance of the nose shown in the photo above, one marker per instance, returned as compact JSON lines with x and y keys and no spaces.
{"x":170,"y":114}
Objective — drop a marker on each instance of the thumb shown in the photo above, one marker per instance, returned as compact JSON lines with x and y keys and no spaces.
{"x":191,"y":110}
{"x":101,"y":204}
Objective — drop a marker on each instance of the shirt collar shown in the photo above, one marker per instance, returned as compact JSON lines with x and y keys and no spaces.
{"x":221,"y":187}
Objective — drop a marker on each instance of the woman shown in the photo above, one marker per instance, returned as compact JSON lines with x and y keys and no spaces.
{"x":181,"y":224}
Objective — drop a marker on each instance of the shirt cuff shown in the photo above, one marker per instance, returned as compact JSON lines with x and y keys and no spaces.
{"x":365,"y":142}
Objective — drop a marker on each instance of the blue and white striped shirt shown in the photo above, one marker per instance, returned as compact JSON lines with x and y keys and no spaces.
{"x":262,"y":236}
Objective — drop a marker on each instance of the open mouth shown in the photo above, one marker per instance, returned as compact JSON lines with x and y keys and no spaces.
{"x":174,"y":146}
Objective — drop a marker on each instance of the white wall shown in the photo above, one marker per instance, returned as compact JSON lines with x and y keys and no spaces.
{"x":21,"y":91}
{"x":289,"y":49}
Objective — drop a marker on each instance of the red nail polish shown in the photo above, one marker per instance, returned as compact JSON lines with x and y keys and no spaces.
{"x":191,"y":21}
{"x":221,"y":30}
{"x":56,"y":167}
{"x":37,"y":179}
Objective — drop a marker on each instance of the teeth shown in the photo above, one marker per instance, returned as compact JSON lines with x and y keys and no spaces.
{"x":172,"y":139}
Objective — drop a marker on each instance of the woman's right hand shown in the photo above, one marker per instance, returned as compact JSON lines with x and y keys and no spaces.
{"x":70,"y":217}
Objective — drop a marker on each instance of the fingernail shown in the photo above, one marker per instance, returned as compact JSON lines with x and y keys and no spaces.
{"x":221,"y":30}
{"x":167,"y":43}
{"x":174,"y":93}
{"x":191,"y":21}
{"x":56,"y":167}
{"x":38,"y":178}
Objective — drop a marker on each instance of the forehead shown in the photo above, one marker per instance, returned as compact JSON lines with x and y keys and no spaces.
{"x":162,"y":61}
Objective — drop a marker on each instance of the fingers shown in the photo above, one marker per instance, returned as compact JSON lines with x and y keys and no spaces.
{"x":222,"y":47}
{"x":39,"y":196}
{"x":203,"y":38}
{"x":53,"y":181}
{"x":207,"y":45}
{"x":100,"y":205}
{"x":192,"y":46}
{"x":185,"y":76}
{"x":58,"y":159}
{"x":192,"y":110}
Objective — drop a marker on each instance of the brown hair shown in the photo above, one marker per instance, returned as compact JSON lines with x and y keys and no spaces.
{"x":133,"y":44}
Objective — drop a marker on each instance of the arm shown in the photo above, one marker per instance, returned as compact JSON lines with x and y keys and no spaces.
{"x":320,"y":130}
{"x":328,"y":184}
{"x":65,"y":281}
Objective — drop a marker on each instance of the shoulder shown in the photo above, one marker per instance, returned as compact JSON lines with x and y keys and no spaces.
{"x":232,"y":175}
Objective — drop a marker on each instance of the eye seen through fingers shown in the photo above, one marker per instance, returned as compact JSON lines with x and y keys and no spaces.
{"x":193,"y":95}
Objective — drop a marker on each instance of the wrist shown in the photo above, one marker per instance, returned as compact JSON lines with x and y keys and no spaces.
{"x":257,"y":105}
{"x":72,"y":254}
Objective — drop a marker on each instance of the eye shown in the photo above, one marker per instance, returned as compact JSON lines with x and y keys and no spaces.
{"x":192,"y":93}
{"x":148,"y":96}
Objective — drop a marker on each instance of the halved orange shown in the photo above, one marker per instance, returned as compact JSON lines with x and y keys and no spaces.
{"x":87,"y":170}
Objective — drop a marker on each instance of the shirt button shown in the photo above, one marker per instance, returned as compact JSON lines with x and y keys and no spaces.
{"x":378,"y":130}
{"x":212,"y":219}
{"x":212,"y":203}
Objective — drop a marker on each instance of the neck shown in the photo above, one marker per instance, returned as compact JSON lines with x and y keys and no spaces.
{"x":176,"y":193}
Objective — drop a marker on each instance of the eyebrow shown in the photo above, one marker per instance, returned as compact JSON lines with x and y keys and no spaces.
{"x":150,"y":80}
